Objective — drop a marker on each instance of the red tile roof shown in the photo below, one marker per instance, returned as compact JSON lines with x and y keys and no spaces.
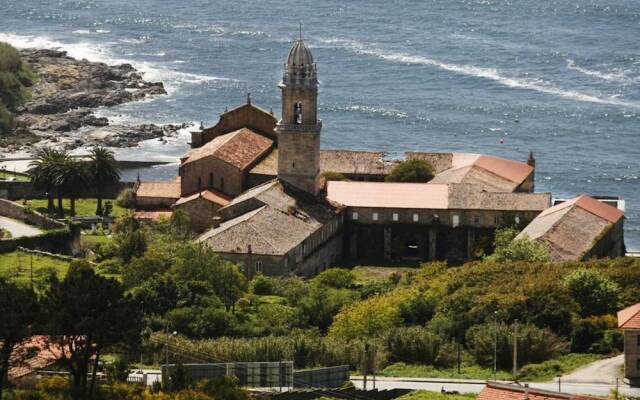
{"x":239,"y":148}
{"x":36,"y":353}
{"x":591,"y":205}
{"x":514,"y":171}
{"x":498,"y":391}
{"x":162,"y":189}
{"x":209,"y":194}
{"x":153,"y":215}
{"x":629,"y":318}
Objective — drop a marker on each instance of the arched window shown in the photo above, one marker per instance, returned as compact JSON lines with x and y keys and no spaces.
{"x":297,"y":113}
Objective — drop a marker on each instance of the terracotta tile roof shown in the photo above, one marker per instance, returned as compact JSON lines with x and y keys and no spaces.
{"x":431,"y":196}
{"x":278,"y":221}
{"x":209,"y":194}
{"x":498,"y":391}
{"x":36,"y":353}
{"x":163,"y":189}
{"x":348,"y":162}
{"x":629,"y":318}
{"x":493,"y":173}
{"x":571,"y":229}
{"x":239,"y":148}
{"x":153,"y":215}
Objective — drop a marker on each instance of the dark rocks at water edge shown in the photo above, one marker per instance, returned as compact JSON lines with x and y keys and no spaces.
{"x":65,"y":91}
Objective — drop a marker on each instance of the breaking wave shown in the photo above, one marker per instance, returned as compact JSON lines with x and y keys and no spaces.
{"x":492,"y":74}
{"x":610,"y":76}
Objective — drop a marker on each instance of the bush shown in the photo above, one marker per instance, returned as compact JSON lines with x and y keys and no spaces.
{"x":509,"y":249}
{"x":333,"y":176}
{"x":593,"y":291}
{"x":110,"y":266}
{"x":594,"y":335}
{"x":127,"y":198}
{"x":337,"y":278}
{"x":535,"y":345}
{"x":417,"y":310}
{"x":263,"y":285}
{"x":411,"y":171}
{"x":413,"y":345}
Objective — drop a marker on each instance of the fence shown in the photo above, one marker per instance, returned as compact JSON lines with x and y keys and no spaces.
{"x":330,"y":377}
{"x":249,"y":374}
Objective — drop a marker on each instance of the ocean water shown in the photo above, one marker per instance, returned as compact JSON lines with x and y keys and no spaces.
{"x":503,"y":77}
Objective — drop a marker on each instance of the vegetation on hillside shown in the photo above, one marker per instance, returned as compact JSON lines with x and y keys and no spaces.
{"x":15,"y":79}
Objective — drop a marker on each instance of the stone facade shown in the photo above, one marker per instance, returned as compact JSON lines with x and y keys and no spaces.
{"x":211,"y":173}
{"x":201,"y":212}
{"x":632,"y":356}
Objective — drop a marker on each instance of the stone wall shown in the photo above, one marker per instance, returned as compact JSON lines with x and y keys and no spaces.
{"x":299,"y":159}
{"x":611,"y":244}
{"x":24,"y":190}
{"x":201,"y":212}
{"x":211,"y":173}
{"x":17,"y":211}
{"x":632,"y":356}
{"x":60,"y":241}
{"x":246,"y":116}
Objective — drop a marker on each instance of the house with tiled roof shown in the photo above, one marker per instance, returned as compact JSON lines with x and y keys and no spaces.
{"x":503,"y":391}
{"x":157,"y":194}
{"x":579,"y":229}
{"x":629,"y":322}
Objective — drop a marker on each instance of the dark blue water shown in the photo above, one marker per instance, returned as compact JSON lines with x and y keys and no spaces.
{"x":559,"y":78}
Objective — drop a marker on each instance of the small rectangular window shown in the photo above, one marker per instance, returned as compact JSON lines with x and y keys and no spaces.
{"x":638,"y":340}
{"x":416,"y":218}
{"x":455,"y":221}
{"x":354,"y":215}
{"x":221,"y":183}
{"x":638,"y":364}
{"x":476,"y":219}
{"x":396,"y":216}
{"x":258,"y":266}
{"x":374,"y":216}
{"x":496,"y":220}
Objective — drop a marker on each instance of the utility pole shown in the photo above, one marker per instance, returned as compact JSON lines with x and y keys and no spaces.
{"x":31,"y":254}
{"x":365,"y":366}
{"x":559,"y":384}
{"x":515,"y":351}
{"x":495,"y":345}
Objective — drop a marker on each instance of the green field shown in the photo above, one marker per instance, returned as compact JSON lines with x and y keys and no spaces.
{"x":84,"y":207}
{"x":16,"y":266}
{"x":367,"y":274}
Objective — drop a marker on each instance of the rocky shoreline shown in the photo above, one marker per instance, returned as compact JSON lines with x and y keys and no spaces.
{"x":59,"y":111}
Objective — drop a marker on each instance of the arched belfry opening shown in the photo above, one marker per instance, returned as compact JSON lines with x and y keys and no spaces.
{"x":297,"y":113}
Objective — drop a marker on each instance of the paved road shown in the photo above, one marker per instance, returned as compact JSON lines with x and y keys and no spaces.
{"x":475,"y":386}
{"x":602,"y":371}
{"x":17,"y":228}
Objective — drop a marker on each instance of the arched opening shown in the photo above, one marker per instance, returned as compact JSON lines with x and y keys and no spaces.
{"x":297,"y":113}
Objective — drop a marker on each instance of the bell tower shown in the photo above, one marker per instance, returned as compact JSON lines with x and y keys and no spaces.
{"x":299,"y":129}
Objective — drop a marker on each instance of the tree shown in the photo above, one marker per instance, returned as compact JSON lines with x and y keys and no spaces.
{"x":87,"y":314}
{"x":15,"y":77}
{"x":338,"y":278}
{"x":44,"y":171}
{"x":104,"y":172}
{"x":594,"y":292}
{"x":73,"y":178}
{"x":509,"y":249}
{"x":198,"y":262}
{"x":18,"y":311}
{"x":413,"y":170}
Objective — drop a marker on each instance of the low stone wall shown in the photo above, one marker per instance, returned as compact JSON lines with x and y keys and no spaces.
{"x":19,"y":212}
{"x":59,"y":241}
{"x":24,"y":190}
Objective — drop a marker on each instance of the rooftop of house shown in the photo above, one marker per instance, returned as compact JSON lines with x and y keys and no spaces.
{"x":152,"y":215}
{"x":629,"y":318}
{"x":492,"y":173}
{"x":34,"y":353}
{"x":341,"y":161}
{"x":240,"y":148}
{"x":570,"y":229}
{"x":159,"y":189}
{"x":432,"y":196}
{"x":278,"y":219}
{"x":500,"y":391}
{"x":211,"y":195}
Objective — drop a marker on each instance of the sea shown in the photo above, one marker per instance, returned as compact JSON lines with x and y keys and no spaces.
{"x":560,"y":78}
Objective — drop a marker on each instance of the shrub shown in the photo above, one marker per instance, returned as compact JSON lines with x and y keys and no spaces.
{"x":333,"y":176}
{"x":535,"y":345}
{"x":411,"y":171}
{"x":414,"y":345}
{"x":127,"y":198}
{"x":588,"y":335}
{"x":337,"y":278}
{"x":509,"y":249}
{"x":263,"y":285}
{"x":110,"y":266}
{"x":417,"y":310}
{"x":593,"y":291}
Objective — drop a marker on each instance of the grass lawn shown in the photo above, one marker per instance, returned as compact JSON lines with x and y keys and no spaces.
{"x":367,"y":274}
{"x":92,"y":241}
{"x":542,"y":372}
{"x":426,"y":395}
{"x":84,"y":207}
{"x":16,"y":266}
{"x":9,"y":174}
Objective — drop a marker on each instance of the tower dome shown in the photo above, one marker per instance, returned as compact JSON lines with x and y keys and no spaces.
{"x":299,"y":55}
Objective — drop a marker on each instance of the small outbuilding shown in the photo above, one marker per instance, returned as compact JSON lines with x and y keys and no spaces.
{"x":629,"y":322}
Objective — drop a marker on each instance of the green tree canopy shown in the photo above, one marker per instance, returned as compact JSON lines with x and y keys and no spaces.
{"x":508,"y":249}
{"x":594,"y":292}
{"x":413,"y":170}
{"x":103,"y":172}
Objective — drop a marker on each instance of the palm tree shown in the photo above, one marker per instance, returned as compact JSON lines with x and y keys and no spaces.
{"x":104,"y":172}
{"x":43,"y":172}
{"x":73,"y":178}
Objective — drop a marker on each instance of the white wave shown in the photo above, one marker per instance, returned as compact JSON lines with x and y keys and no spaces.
{"x":611,"y":76}
{"x":101,"y":53}
{"x":479,"y":72}
{"x":385,"y":112}
{"x":90,"y":32}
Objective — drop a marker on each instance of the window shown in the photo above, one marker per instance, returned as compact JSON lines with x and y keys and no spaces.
{"x":455,"y":221}
{"x":211,"y":180}
{"x":221,"y":183}
{"x":199,"y":183}
{"x":496,"y":220}
{"x":638,"y":340}
{"x":297,"y":113}
{"x":374,"y":216}
{"x":638,"y":364}
{"x":354,"y":215}
{"x":476,"y":219}
{"x":517,"y":219}
{"x":395,"y":216}
{"x":286,"y":263}
{"x":293,"y":165}
{"x":304,"y":248}
{"x":258,"y":266}
{"x":416,"y":217}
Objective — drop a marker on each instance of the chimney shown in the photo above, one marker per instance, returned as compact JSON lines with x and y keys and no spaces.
{"x":526,"y":391}
{"x":216,"y":221}
{"x":531,"y":161}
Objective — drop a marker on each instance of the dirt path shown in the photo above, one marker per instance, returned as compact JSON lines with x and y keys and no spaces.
{"x":601,"y":371}
{"x":17,"y":228}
